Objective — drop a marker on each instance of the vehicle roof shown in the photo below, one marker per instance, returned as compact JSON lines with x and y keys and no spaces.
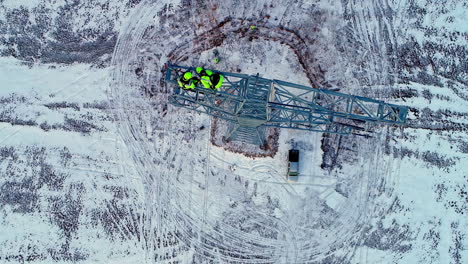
{"x":294,"y":166}
{"x":294,"y":155}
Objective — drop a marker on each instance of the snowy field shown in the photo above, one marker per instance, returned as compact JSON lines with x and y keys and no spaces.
{"x":97,"y":167}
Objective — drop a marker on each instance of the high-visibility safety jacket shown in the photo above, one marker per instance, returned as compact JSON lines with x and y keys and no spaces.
{"x":217,"y":80}
{"x":210,"y":79}
{"x":206,"y":81}
{"x":186,"y":81}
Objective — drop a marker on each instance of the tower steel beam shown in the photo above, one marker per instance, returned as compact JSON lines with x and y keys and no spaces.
{"x":252,"y":101}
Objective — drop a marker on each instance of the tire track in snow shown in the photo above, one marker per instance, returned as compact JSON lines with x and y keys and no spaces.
{"x":165,"y":197}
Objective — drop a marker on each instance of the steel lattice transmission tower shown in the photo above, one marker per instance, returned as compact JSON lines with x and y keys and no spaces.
{"x":251,"y":103}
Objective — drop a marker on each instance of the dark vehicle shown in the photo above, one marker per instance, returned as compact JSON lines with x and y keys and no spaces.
{"x":293,"y":165}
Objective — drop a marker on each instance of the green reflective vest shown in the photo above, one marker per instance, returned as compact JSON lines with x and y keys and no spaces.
{"x":206,"y":81}
{"x":210,"y":79}
{"x":187,"y":84}
{"x":220,"y":81}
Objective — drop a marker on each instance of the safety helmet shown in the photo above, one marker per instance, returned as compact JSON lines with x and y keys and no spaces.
{"x":198,"y":69}
{"x":187,"y":75}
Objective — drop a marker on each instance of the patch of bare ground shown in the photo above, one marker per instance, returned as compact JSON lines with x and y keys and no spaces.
{"x":220,"y":130}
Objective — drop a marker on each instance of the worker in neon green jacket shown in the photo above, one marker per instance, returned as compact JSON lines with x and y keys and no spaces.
{"x":187,"y":81}
{"x":209,"y":79}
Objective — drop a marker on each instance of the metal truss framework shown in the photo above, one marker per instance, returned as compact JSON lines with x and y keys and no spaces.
{"x":251,"y":102}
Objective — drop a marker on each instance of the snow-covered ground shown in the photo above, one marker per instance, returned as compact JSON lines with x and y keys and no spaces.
{"x":97,"y":167}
